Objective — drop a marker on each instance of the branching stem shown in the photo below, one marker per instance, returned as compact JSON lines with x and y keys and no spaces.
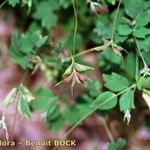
{"x":98,"y":107}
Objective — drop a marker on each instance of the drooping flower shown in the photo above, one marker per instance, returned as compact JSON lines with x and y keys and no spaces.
{"x":73,"y":74}
{"x":127,"y":116}
{"x":97,"y":8}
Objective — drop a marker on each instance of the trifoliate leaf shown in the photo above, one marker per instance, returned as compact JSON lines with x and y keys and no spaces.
{"x":115,"y":82}
{"x":105,"y":100}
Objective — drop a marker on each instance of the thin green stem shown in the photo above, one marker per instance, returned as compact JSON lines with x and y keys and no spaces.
{"x":107,"y":129}
{"x":84,"y":52}
{"x":24,"y":76}
{"x":15,"y":118}
{"x":76,"y":27}
{"x":115,"y":20}
{"x":140,"y":54}
{"x":18,"y":98}
{"x":137,"y":66}
{"x":3,"y":3}
{"x":98,"y":107}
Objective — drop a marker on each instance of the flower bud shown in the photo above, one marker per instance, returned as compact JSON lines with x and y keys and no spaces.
{"x":80,"y":67}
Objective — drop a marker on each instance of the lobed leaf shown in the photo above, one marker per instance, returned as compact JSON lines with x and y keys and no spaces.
{"x":115,"y":82}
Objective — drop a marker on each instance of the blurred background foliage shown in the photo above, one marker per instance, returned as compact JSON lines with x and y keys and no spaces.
{"x":43,"y":40}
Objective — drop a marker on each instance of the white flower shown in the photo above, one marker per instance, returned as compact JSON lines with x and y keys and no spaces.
{"x":127,"y":116}
{"x":4,"y":126}
{"x":93,"y":6}
{"x":97,"y":8}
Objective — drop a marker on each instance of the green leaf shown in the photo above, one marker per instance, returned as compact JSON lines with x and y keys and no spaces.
{"x":23,"y":46}
{"x":143,"y":83}
{"x":124,"y":29}
{"x":115,"y":82}
{"x":94,"y":87}
{"x":13,"y":3}
{"x":57,"y":124}
{"x":143,"y":44}
{"x":141,"y":32}
{"x":113,"y":2}
{"x":142,"y":19}
{"x":54,"y":118}
{"x":64,"y":3}
{"x":19,"y":56}
{"x":105,"y":100}
{"x":24,"y":109}
{"x":133,"y":7}
{"x":45,"y":13}
{"x":26,"y":94}
{"x":10,"y":98}
{"x":26,"y":44}
{"x":129,"y":65}
{"x":45,"y":100}
{"x":119,"y":145}
{"x":108,"y":61}
{"x":126,"y":101}
{"x":80,"y":110}
{"x":38,"y":39}
{"x":69,"y":41}
{"x":103,"y":27}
